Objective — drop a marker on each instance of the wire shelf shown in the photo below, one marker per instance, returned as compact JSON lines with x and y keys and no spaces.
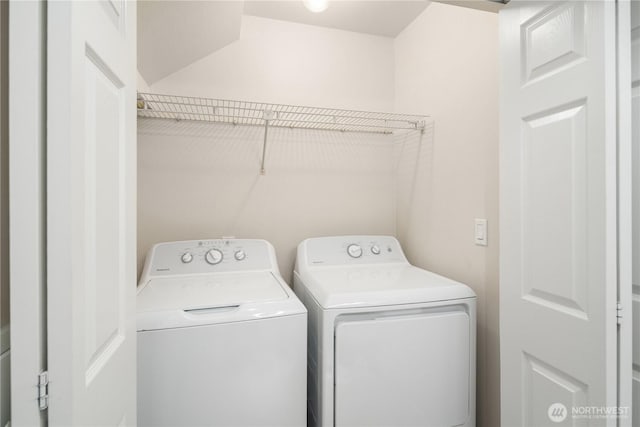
{"x":274,"y":115}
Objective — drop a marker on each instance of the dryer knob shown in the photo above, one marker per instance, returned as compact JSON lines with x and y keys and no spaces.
{"x":375,"y":249}
{"x":186,"y":257}
{"x":354,"y":251}
{"x":240,"y":255}
{"x":214,"y":256}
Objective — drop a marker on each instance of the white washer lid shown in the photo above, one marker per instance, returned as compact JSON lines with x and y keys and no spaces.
{"x":207,"y":291}
{"x":174,"y":302}
{"x":378,"y":285}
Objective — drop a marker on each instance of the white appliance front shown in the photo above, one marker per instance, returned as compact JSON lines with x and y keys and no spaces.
{"x":399,"y":352}
{"x":402,"y":369}
{"x":249,"y":373}
{"x":221,"y":338}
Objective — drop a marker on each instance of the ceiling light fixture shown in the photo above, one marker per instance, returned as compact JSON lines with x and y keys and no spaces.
{"x":316,"y":6}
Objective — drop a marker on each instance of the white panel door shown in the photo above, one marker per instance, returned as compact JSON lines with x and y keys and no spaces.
{"x":91,"y":234}
{"x":558,"y":256}
{"x":27,"y":151}
{"x":635,"y":135}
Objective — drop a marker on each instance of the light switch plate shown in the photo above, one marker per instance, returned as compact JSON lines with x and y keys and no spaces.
{"x":480,"y":232}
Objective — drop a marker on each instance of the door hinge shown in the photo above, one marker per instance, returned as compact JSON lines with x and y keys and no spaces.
{"x":43,"y":390}
{"x":619,"y":313}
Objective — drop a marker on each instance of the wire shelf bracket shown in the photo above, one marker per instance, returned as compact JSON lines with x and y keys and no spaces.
{"x":268,"y":115}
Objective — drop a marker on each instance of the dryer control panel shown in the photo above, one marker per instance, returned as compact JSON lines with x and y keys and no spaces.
{"x":209,"y":256}
{"x":349,"y":250}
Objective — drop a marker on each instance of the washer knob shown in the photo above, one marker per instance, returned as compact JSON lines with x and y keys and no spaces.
{"x":354,"y":251}
{"x":240,"y":255}
{"x":214,"y":256}
{"x":186,"y":257}
{"x":375,"y":249}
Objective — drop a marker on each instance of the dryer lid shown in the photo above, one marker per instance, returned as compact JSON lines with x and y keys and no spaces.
{"x":369,"y":286}
{"x":172,"y":302}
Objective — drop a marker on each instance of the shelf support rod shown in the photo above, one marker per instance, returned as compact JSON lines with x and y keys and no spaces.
{"x":264,"y":146}
{"x":267,"y":116}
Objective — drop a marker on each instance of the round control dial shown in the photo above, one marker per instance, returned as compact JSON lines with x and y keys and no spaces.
{"x":214,"y":256}
{"x":375,"y":249}
{"x":354,"y":251}
{"x":239,"y":255}
{"x":186,"y":257}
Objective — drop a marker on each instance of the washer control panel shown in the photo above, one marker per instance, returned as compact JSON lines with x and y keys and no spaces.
{"x":347,"y":250}
{"x":208,"y":256}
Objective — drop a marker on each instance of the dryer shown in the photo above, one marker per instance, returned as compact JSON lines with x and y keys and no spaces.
{"x":389,"y":344}
{"x":221,"y":337}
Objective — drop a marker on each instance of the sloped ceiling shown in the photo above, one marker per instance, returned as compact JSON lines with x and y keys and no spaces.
{"x":173,"y":34}
{"x":378,"y":17}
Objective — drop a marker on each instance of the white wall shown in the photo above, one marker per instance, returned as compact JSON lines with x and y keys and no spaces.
{"x":200,"y":181}
{"x":142,"y":85}
{"x":446,"y":64}
{"x":288,"y":63}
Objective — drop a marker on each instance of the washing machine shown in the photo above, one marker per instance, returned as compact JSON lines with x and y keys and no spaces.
{"x":221,"y":338}
{"x":389,"y":344}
